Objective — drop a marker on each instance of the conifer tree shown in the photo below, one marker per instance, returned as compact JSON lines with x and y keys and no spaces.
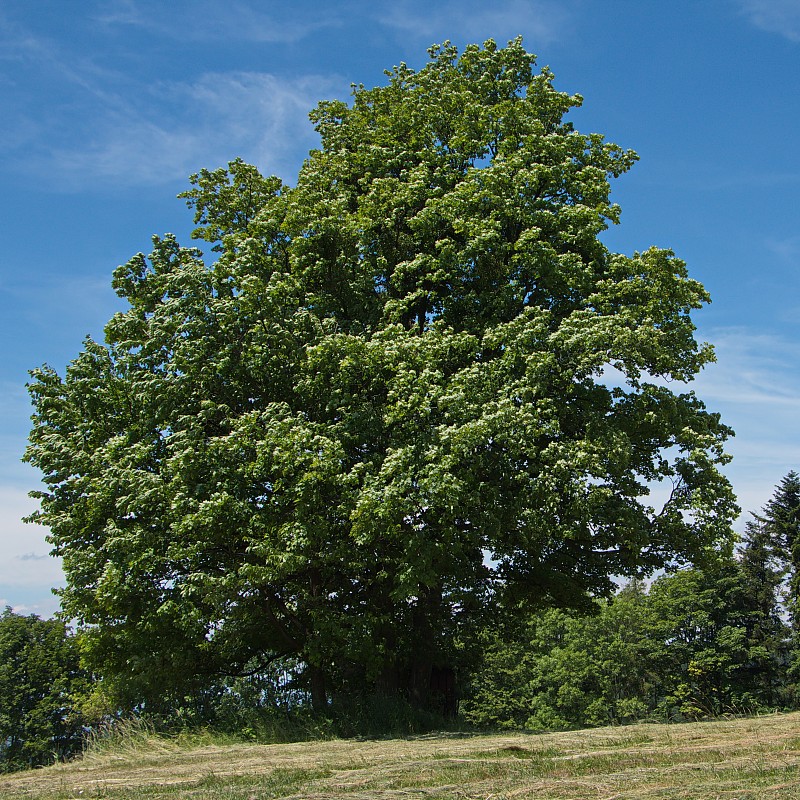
{"x":767,"y":634}
{"x":782,"y":519}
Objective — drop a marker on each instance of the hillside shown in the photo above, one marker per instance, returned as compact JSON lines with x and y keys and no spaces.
{"x":741,"y":759}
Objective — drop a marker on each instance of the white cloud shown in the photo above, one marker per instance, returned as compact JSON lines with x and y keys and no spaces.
{"x":752,"y":369}
{"x":107,"y":126}
{"x":755,"y":385}
{"x":27,"y":571}
{"x":173,"y":129}
{"x":774,"y":16}
{"x":208,"y":20}
{"x":121,"y":12}
{"x":787,"y":249}
{"x":538,"y":22}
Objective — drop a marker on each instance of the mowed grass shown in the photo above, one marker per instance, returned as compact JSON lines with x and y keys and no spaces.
{"x":742,"y":759}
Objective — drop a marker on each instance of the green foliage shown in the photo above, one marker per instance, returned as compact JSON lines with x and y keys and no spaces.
{"x":781,"y":518}
{"x":564,"y":671}
{"x":40,"y":687}
{"x":697,"y":644}
{"x":780,"y":521}
{"x":393,"y":369}
{"x":767,"y":634}
{"x":710,"y":646}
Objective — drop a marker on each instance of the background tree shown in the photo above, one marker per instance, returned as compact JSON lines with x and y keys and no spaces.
{"x":781,"y":517}
{"x":559,"y":670}
{"x":41,"y":687}
{"x":699,"y":643}
{"x":768,"y":636}
{"x":700,"y":640}
{"x":392,"y":370}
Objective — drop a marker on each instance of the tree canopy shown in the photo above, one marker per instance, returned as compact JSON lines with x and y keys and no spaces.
{"x":409,"y":390}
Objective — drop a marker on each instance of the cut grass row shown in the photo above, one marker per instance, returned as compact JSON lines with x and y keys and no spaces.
{"x":743,"y":759}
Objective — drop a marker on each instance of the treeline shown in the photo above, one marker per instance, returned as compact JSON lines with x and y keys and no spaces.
{"x":720,"y":637}
{"x":714,"y":639}
{"x":694,"y":645}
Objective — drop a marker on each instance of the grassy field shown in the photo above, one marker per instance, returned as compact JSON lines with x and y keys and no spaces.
{"x":743,"y":759}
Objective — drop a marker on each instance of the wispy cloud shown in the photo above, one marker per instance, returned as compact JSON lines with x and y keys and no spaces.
{"x":753,"y":368}
{"x":756,"y":387}
{"x":538,"y":21}
{"x":121,"y":12}
{"x":105,"y":127}
{"x":112,"y":125}
{"x":164,"y":132}
{"x":787,"y":249}
{"x":774,"y":16}
{"x":27,"y":571}
{"x":208,"y":20}
{"x":24,"y":560}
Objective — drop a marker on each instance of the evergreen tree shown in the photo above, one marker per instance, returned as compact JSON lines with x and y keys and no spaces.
{"x":767,"y":633}
{"x":718,"y":639}
{"x":782,"y":519}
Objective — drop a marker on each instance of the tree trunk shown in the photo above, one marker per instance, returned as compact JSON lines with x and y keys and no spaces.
{"x":319,"y":695}
{"x":426,"y":615}
{"x":420,"y":681}
{"x":388,"y":682}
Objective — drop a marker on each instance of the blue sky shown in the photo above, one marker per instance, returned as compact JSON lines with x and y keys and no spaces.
{"x":108,"y":106}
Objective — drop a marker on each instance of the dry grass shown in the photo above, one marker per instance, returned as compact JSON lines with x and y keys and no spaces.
{"x":743,"y":759}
